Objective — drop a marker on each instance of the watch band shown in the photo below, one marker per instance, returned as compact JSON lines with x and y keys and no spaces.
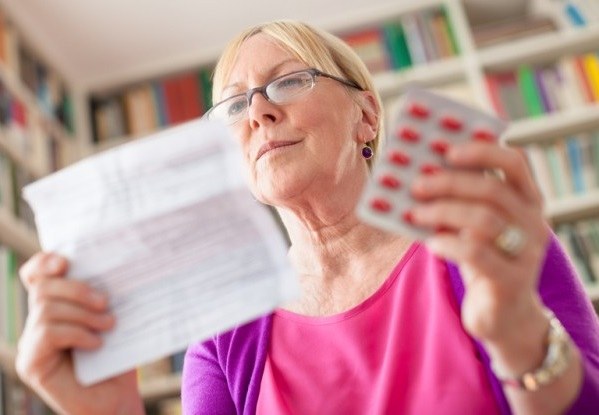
{"x":556,"y":361}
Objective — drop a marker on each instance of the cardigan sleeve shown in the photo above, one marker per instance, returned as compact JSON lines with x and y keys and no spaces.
{"x":562,"y":291}
{"x":223,"y":375}
{"x":204,"y":389}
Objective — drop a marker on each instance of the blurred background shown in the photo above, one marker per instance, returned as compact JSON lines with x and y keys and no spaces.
{"x":78,"y":77}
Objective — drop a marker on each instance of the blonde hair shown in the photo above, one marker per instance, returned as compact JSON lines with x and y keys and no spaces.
{"x":316,"y":48}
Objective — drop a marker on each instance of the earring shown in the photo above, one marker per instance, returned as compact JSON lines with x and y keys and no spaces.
{"x":367,"y":152}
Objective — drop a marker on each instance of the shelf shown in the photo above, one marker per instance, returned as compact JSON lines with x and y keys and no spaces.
{"x":15,"y":155}
{"x":16,"y":88}
{"x":553,"y":125}
{"x":17,"y":235}
{"x":161,"y":387}
{"x":433,"y":73}
{"x":538,"y":48}
{"x":8,"y":356}
{"x":593,"y":291}
{"x":572,"y":208}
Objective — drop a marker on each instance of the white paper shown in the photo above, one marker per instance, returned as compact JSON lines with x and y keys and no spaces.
{"x":168,"y":229}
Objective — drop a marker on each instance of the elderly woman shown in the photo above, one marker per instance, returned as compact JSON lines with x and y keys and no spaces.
{"x":461,"y":324}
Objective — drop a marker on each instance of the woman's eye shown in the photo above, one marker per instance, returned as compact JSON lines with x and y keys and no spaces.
{"x":291,"y":82}
{"x":236,"y":107}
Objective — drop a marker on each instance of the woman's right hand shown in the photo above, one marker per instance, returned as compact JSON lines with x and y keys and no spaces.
{"x":66,"y":314}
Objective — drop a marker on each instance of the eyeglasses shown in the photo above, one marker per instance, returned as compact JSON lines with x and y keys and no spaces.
{"x":281,"y":90}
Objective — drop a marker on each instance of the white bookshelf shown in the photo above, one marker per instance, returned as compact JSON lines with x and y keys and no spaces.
{"x":573,"y":207}
{"x":468,"y":68}
{"x":160,"y":387}
{"x":17,"y":235}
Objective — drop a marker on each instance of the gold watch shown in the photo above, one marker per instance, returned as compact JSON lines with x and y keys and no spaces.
{"x":556,"y":361}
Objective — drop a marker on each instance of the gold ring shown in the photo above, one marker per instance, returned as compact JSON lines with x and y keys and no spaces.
{"x":511,"y":240}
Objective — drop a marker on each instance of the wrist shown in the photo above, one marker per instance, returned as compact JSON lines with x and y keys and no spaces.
{"x":557,"y":357}
{"x":523,"y":346}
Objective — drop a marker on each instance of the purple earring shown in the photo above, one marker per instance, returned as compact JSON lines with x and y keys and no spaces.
{"x":367,"y":152}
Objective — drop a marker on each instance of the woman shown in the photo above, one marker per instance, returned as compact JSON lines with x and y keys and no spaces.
{"x":384,"y":324}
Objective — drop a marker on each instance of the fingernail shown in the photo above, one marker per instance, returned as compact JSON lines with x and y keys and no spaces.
{"x":53,"y":264}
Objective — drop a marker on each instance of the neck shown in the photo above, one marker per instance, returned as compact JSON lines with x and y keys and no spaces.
{"x":328,"y":241}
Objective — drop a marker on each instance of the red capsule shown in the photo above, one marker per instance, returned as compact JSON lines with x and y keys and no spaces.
{"x":380,"y":205}
{"x":451,"y":123}
{"x":400,"y":159}
{"x":484,"y":135}
{"x":390,"y":182}
{"x":429,"y":169}
{"x":439,"y":146}
{"x":408,"y":217}
{"x":419,"y":111}
{"x":408,"y":134}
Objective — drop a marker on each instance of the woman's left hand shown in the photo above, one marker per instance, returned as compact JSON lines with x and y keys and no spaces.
{"x":471,"y":210}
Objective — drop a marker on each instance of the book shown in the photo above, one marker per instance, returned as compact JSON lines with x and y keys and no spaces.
{"x":529,"y":89}
{"x":370,"y":46}
{"x":540,"y":170}
{"x":589,"y":166}
{"x":590,"y":63}
{"x":509,"y":93}
{"x":205,"y":81}
{"x":396,"y":43}
{"x":583,"y":80}
{"x":575,"y":163}
{"x":572,"y":89}
{"x":139,"y":110}
{"x":414,"y":39}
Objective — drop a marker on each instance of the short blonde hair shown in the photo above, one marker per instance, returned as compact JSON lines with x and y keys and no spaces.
{"x":316,"y":48}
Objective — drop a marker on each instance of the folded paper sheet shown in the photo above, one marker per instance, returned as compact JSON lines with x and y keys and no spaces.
{"x":168,"y":229}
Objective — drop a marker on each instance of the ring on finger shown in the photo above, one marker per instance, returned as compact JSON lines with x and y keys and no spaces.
{"x":511,"y":240}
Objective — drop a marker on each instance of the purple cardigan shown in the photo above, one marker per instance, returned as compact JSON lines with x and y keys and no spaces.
{"x":223,"y":375}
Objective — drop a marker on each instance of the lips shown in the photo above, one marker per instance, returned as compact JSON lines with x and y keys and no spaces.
{"x":271,"y":145}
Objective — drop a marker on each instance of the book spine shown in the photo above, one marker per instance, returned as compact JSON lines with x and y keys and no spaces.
{"x":575,"y":163}
{"x":526,"y":82}
{"x":591,"y":68}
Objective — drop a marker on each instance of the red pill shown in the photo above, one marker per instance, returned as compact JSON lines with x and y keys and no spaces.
{"x":419,"y":111}
{"x":380,"y":205}
{"x":390,"y":182}
{"x":451,"y":123}
{"x":399,"y":158}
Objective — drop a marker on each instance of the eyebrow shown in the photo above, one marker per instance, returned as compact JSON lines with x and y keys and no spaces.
{"x":268,"y":74}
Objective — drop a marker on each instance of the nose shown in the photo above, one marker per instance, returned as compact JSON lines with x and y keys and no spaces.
{"x":263,"y":111}
{"x":261,"y":91}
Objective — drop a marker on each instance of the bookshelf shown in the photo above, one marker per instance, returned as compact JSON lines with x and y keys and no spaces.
{"x":106,"y":108}
{"x":36,"y":138}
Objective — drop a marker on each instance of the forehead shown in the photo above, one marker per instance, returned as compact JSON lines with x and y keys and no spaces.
{"x":259,"y":58}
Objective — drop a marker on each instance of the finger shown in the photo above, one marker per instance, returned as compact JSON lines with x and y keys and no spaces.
{"x":472,"y":186}
{"x":76,"y":292}
{"x":42,"y":265}
{"x":55,"y":312}
{"x":66,"y":336}
{"x":511,"y":162}
{"x":477,"y":221}
{"x":481,"y":258}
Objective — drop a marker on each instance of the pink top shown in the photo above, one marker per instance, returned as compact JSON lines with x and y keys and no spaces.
{"x":402,"y":351}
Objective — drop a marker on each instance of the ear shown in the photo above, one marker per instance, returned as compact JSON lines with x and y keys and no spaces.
{"x":368,"y":123}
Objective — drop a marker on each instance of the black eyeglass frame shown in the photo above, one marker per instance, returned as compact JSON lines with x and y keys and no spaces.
{"x":262,"y":89}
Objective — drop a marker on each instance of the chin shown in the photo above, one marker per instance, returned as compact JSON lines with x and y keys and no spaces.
{"x":276,"y":191}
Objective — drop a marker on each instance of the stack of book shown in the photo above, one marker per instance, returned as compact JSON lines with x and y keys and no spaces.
{"x":43,"y":83}
{"x":534,"y":90}
{"x":149,"y":106}
{"x":581,"y":242}
{"x":415,"y":38}
{"x":566,"y":167}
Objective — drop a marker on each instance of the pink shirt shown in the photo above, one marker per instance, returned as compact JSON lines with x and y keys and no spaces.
{"x":402,"y":351}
